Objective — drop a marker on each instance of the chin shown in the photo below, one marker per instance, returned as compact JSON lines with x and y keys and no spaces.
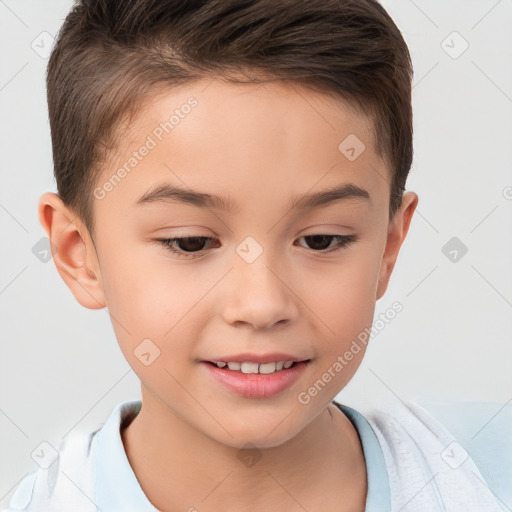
{"x":258,"y":435}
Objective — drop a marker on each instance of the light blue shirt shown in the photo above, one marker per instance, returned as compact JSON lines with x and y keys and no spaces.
{"x":487,"y":439}
{"x":378,"y":498}
{"x":118,"y":489}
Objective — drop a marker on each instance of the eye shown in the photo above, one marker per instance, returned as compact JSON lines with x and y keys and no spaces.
{"x":187,"y":247}
{"x":320,"y":243}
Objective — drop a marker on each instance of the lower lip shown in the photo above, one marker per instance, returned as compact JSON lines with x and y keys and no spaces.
{"x":256,"y":385}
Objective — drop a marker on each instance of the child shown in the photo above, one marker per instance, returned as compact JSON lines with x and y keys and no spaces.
{"x":231,"y":180}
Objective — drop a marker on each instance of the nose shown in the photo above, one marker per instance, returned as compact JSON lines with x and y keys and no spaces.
{"x":259,"y":295}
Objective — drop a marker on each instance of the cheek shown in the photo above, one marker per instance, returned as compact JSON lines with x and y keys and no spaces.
{"x":343,"y":293}
{"x":343,"y":302}
{"x":152,"y":298}
{"x":140,"y":299}
{"x":150,"y":320}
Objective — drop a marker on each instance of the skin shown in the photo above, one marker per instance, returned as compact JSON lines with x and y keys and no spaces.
{"x":260,"y":145}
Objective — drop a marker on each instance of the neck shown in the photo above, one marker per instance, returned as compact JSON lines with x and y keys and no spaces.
{"x":181,"y":468}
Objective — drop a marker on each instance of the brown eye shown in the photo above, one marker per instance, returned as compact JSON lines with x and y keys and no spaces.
{"x":188,"y":247}
{"x":321,"y":243}
{"x":191,"y":244}
{"x":185,"y":246}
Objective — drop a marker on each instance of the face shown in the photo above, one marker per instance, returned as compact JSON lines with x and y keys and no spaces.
{"x":259,"y":272}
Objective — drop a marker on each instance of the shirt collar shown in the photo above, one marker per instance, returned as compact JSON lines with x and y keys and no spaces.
{"x":117,"y":488}
{"x":378,"y":498}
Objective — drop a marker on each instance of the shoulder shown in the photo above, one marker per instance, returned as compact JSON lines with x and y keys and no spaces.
{"x":66,"y":482}
{"x":446,"y":450}
{"x":484,"y":431}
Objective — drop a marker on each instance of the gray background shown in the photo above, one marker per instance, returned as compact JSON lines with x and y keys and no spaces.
{"x":60,"y":365}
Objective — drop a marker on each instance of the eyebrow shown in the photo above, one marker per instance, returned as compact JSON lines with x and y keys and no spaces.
{"x":166,"y":192}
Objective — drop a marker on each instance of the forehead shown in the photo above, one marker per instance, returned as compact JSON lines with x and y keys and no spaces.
{"x":243,"y":141}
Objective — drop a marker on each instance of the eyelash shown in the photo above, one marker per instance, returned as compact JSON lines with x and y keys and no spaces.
{"x":170,"y":243}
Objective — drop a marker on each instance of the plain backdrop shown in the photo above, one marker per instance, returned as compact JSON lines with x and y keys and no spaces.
{"x":60,"y":366}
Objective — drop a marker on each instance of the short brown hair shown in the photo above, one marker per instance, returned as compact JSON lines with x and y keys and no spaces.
{"x":111,"y":56}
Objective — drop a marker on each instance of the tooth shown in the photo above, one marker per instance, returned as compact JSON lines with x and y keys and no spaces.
{"x":249,"y":367}
{"x":268,"y":368}
{"x":265,"y":368}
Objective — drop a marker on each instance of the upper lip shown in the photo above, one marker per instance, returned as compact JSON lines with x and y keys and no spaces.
{"x":250,"y":357}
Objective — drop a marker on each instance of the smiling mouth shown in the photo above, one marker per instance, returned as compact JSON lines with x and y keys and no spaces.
{"x":255,"y":368}
{"x":256,"y":380}
{"x":249,"y":379}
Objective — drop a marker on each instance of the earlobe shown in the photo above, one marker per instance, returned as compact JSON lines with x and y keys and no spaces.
{"x":397,"y":231}
{"x":73,"y":252}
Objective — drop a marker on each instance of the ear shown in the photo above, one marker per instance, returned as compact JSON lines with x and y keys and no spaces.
{"x":397,"y":231}
{"x":73,"y":251}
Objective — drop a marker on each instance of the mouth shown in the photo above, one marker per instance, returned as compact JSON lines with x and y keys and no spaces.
{"x":247,"y":367}
{"x":256,"y":380}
